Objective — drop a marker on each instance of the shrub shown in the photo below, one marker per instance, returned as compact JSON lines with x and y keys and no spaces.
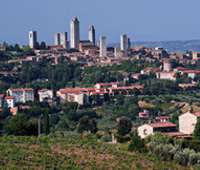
{"x":124,"y":126}
{"x":137,"y":144}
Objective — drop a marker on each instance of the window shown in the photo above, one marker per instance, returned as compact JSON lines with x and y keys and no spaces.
{"x":145,"y":131}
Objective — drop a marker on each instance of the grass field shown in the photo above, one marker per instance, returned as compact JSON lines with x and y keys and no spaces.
{"x":74,"y":152}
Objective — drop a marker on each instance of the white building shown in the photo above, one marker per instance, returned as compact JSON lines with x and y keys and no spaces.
{"x":103,"y":47}
{"x":9,"y":102}
{"x":124,"y":43}
{"x":45,"y":94}
{"x":79,"y":98}
{"x":60,"y":39}
{"x":75,"y":33}
{"x":32,"y":39}
{"x":79,"y":95}
{"x":91,"y":35}
{"x":187,"y":122}
{"x":167,"y":66}
{"x":166,"y":75}
{"x":57,"y":39}
{"x":149,"y":129}
{"x":21,"y":95}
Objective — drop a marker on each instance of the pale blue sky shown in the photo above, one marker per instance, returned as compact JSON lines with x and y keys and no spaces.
{"x":140,"y":19}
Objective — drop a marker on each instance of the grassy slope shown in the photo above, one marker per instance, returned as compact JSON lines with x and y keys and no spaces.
{"x":73,"y":152}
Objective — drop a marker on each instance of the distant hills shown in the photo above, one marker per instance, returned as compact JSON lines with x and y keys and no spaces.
{"x":171,"y":46}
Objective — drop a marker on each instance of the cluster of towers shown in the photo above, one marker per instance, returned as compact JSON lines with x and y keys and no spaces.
{"x":61,"y":39}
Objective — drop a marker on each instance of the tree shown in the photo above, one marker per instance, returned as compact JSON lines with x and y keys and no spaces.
{"x":46,"y":123}
{"x":16,"y":125}
{"x":196,"y":133}
{"x":37,"y":45}
{"x":124,"y":126}
{"x":20,"y":125}
{"x":86,"y":124}
{"x":137,"y":144}
{"x":43,"y":45}
{"x":17,"y":48}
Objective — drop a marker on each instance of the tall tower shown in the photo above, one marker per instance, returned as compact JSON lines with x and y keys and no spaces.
{"x":32,"y":36}
{"x":63,"y":39}
{"x":91,"y":35}
{"x":167,"y":66}
{"x":129,"y":43}
{"x":57,"y":39}
{"x":75,"y":33}
{"x":103,"y":47}
{"x":124,"y":43}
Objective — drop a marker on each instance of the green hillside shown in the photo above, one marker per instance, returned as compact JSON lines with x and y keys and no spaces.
{"x":74,"y":152}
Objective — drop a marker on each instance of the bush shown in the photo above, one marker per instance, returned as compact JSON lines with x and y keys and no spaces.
{"x":124,"y":126}
{"x":137,"y":144}
{"x":122,"y":139}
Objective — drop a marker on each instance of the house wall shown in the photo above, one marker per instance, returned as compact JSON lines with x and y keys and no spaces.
{"x":144,"y":131}
{"x":187,"y":123}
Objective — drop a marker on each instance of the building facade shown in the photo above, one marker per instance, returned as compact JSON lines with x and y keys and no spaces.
{"x":92,"y":35}
{"x":60,"y":39}
{"x":57,"y":39}
{"x":21,"y":95}
{"x":32,"y":39}
{"x":103,"y":47}
{"x":75,"y":33}
{"x":45,"y":94}
{"x":187,"y":122}
{"x":124,"y":43}
{"x":149,"y":129}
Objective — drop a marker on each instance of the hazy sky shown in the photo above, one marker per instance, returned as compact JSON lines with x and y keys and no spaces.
{"x":140,"y":19}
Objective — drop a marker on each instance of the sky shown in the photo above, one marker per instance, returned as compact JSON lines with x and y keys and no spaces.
{"x":142,"y":20}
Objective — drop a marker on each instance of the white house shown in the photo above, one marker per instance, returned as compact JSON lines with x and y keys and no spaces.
{"x":149,"y":129}
{"x":21,"y":95}
{"x":187,"y":122}
{"x":79,"y":95}
{"x":45,"y":94}
{"x":166,"y":75}
{"x":9,"y":102}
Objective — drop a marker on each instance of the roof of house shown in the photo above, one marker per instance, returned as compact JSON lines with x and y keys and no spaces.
{"x":44,"y":90}
{"x":191,"y":71}
{"x":162,"y":117}
{"x":22,"y":89}
{"x":162,"y":125}
{"x":197,"y":114}
{"x":9,"y":97}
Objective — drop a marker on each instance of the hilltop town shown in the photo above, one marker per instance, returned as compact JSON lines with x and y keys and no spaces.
{"x":144,"y":98}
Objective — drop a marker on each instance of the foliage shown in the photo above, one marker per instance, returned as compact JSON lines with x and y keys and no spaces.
{"x":87,"y":124}
{"x":197,"y":130}
{"x":20,"y":125}
{"x":124,"y":126}
{"x":136,"y":144}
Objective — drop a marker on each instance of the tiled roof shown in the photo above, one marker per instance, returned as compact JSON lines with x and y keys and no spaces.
{"x":162,"y":125}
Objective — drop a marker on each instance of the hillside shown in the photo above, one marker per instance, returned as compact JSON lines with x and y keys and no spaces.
{"x":74,"y":152}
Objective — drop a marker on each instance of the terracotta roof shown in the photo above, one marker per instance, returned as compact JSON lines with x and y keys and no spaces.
{"x":162,"y":125}
{"x":9,"y":97}
{"x":180,"y":68}
{"x":162,"y":117}
{"x":77,"y":90}
{"x":108,"y":84}
{"x":197,"y":114}
{"x":191,"y":71}
{"x":128,"y":87}
{"x":177,"y":135}
{"x":43,"y":90}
